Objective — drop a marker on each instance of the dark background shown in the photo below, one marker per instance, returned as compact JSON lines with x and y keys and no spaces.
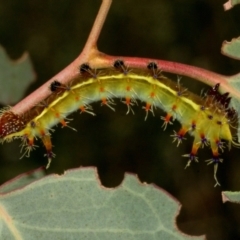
{"x":187,"y":31}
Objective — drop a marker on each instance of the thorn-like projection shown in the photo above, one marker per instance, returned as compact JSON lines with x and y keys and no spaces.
{"x":191,"y":158}
{"x":232,"y":114}
{"x":85,"y":68}
{"x":27,"y":146}
{"x":43,"y":104}
{"x":204,"y":141}
{"x":178,"y":136}
{"x":220,"y":145}
{"x":87,"y":109}
{"x":130,"y":102}
{"x":215,"y":160}
{"x":214,"y":90}
{"x":65,"y":124}
{"x":156,"y":72}
{"x":120,"y":65}
{"x":180,"y":90}
{"x":147,"y":108}
{"x":167,"y":120}
{"x":108,"y":102}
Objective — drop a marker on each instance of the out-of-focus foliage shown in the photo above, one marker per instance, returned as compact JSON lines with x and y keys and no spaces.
{"x":15,"y":77}
{"x":75,"y":206}
{"x":231,"y":197}
{"x":232,"y":49}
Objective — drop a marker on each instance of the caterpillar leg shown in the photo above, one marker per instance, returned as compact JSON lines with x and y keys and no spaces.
{"x":46,"y":139}
{"x":215,"y":160}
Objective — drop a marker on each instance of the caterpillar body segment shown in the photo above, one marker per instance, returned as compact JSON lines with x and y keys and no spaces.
{"x":208,"y":119}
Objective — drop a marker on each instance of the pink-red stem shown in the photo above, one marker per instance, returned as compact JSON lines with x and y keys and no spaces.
{"x":96,"y":59}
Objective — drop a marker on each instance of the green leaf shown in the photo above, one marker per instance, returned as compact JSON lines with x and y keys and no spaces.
{"x":15,"y":77}
{"x":232,"y":49}
{"x":76,"y":206}
{"x":234,"y":82}
{"x":22,"y":180}
{"x":230,"y":4}
{"x":231,"y":197}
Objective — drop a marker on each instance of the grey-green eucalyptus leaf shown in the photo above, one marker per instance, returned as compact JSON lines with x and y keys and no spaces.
{"x":75,"y":206}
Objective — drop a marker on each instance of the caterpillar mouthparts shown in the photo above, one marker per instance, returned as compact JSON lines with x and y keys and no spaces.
{"x":209,"y":119}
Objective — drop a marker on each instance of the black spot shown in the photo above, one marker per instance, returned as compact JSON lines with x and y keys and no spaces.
{"x":193,"y":126}
{"x":226,"y":103}
{"x":54,"y":86}
{"x":231,"y":113}
{"x":152,"y":66}
{"x":32,"y":124}
{"x":214,"y":90}
{"x":84,"y":68}
{"x":119,"y":64}
{"x":210,"y":117}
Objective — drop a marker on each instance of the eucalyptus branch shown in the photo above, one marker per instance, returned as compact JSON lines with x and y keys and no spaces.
{"x":72,"y":70}
{"x":97,"y":59}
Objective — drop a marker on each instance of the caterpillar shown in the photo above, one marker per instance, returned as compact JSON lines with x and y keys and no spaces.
{"x":208,"y":118}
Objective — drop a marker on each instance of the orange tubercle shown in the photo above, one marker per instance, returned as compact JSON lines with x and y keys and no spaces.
{"x":182,"y":131}
{"x":127,"y":100}
{"x":167,"y":120}
{"x":152,"y":94}
{"x":147,"y":107}
{"x":174,"y":107}
{"x":104,"y":101}
{"x":128,"y":88}
{"x":63,"y":122}
{"x":101,"y":89}
{"x":30,"y":141}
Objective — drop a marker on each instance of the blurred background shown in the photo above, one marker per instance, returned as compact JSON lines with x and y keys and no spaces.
{"x":54,"y":32}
